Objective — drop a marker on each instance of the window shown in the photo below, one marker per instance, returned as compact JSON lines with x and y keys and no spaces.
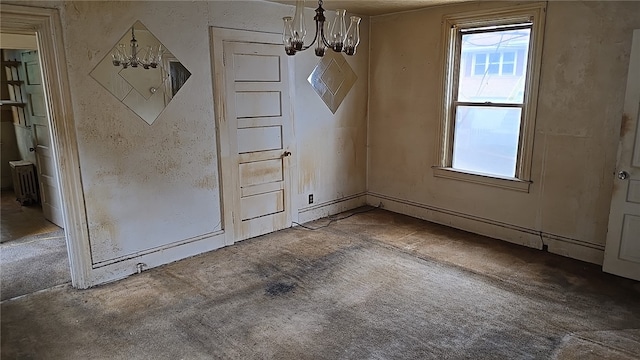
{"x":492,"y":65}
{"x":496,"y":63}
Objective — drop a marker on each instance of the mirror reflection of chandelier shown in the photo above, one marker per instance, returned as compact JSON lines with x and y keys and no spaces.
{"x":151,"y":58}
{"x":340,"y":39}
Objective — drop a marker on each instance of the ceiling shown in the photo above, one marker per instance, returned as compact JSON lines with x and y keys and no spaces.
{"x":372,"y":7}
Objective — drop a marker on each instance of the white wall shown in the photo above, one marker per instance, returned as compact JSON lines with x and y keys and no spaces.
{"x":584,"y":67}
{"x":332,"y":152}
{"x":145,"y":186}
{"x":148,"y":186}
{"x":331,"y":148}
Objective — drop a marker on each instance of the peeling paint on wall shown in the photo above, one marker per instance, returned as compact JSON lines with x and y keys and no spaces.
{"x":150,"y":186}
{"x":625,"y":125}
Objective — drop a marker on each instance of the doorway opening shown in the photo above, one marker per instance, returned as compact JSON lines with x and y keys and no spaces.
{"x":33,"y":246}
{"x":46,"y":24}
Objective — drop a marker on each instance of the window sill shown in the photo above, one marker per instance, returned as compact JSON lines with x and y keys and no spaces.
{"x":483,"y":179}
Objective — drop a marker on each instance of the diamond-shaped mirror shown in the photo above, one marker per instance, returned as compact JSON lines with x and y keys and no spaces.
{"x":147,"y":83}
{"x":332,"y":79}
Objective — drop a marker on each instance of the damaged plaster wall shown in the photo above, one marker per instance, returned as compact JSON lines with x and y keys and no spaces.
{"x":149,"y":186}
{"x":584,"y":67}
{"x":331,"y":148}
{"x":145,"y":186}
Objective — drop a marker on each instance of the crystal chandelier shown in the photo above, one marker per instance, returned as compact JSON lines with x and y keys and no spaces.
{"x":340,"y":38}
{"x":151,"y":58}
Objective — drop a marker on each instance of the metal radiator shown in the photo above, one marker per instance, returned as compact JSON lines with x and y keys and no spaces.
{"x":25,"y":183}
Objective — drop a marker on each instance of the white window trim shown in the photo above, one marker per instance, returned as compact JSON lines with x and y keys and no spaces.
{"x":450,"y":59}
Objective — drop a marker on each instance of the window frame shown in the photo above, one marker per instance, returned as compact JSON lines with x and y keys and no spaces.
{"x":451,"y":40}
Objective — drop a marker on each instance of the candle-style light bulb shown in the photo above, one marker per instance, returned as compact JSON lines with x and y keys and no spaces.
{"x":122,"y":53}
{"x":287,"y":35}
{"x":338,"y":31}
{"x":353,"y":36}
{"x":298,"y":28}
{"x":148,"y":57}
{"x":116,"y":58}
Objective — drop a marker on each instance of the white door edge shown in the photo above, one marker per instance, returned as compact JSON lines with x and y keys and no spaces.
{"x":616,"y":259}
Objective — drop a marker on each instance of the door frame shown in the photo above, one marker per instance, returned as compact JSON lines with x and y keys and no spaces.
{"x":45,"y":22}
{"x":228,"y":160}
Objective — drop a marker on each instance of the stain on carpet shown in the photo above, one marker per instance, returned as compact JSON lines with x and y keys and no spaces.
{"x":277,"y":289}
{"x":356,"y":297}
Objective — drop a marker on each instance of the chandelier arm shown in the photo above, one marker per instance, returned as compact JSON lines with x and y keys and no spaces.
{"x":324,"y":39}
{"x":315,"y":38}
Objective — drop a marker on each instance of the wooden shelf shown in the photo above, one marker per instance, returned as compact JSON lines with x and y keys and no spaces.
{"x":15,"y":99}
{"x":10,"y":63}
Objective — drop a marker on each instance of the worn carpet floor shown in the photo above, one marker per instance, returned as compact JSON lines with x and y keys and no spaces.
{"x":30,"y":266}
{"x":33,"y":252}
{"x":22,"y":223}
{"x":376,"y":285}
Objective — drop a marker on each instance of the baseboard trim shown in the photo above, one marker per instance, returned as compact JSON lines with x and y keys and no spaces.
{"x":137,"y":255}
{"x":331,"y":207}
{"x":127,"y":267}
{"x":573,"y":248}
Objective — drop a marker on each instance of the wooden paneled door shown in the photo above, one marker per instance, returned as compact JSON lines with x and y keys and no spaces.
{"x":42,"y":145}
{"x":258,"y":115}
{"x":622,"y":252}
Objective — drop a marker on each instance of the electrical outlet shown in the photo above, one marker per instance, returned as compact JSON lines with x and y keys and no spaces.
{"x":310,"y":198}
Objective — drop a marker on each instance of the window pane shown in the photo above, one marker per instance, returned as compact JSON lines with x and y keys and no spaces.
{"x":509,"y":57}
{"x":480,"y":65}
{"x":493,"y":85}
{"x":486,"y":139}
{"x":507,"y":69}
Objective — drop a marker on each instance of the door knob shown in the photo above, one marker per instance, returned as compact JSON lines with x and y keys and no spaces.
{"x":286,"y":153}
{"x":32,"y":149}
{"x":623,"y":175}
